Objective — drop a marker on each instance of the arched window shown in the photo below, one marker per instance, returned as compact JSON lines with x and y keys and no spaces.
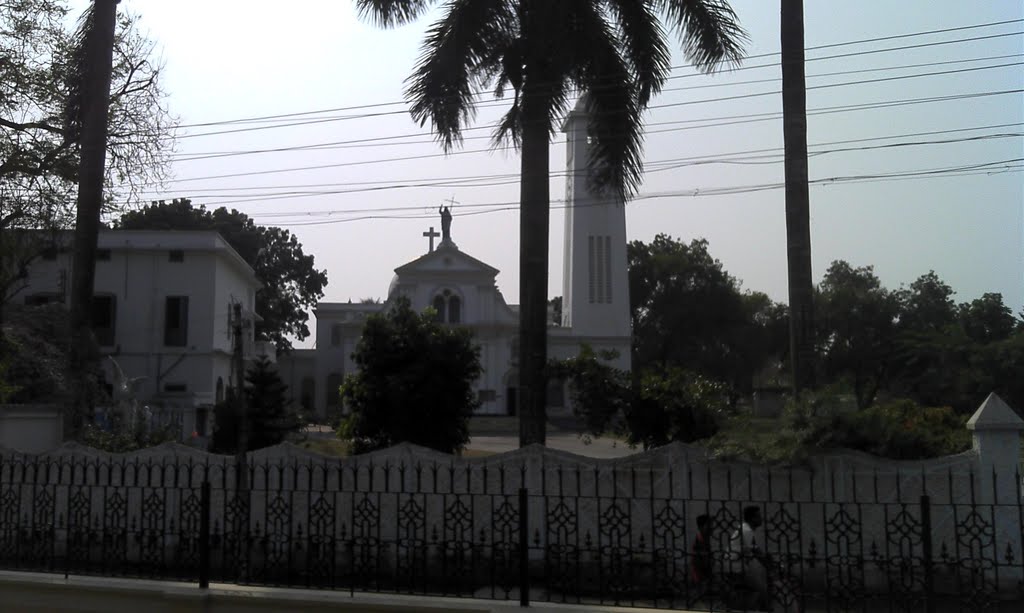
{"x":220,"y":390}
{"x":439,"y":305}
{"x":454,"y":310}
{"x":448,"y":306}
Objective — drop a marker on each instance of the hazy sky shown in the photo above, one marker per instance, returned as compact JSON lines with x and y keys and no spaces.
{"x":363,"y":214}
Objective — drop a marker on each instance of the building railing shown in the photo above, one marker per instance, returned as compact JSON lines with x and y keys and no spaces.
{"x":536,"y":526}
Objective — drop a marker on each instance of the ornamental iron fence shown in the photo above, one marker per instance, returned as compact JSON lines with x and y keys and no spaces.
{"x":529,"y":528}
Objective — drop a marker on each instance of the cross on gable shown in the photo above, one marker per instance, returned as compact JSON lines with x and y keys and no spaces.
{"x":431,"y":235}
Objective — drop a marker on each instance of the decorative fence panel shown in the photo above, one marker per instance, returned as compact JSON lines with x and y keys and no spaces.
{"x":846,"y":533}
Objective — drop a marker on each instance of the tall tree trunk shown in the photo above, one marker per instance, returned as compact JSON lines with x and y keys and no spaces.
{"x":798,"y":225}
{"x":95,"y":104}
{"x":534,"y":207}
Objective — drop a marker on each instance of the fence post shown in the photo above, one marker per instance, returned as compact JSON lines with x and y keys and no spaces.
{"x":524,"y":548}
{"x":204,"y":535}
{"x":926,"y":553}
{"x":997,"y":432}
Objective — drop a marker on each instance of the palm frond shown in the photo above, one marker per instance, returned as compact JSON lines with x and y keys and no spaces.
{"x":509,"y":132}
{"x":459,"y":51}
{"x":709,"y":29}
{"x":612,"y":103}
{"x":391,"y":13}
{"x":643,"y":45}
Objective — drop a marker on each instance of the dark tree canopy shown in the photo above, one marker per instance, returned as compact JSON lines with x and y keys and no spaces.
{"x":987,"y":319}
{"x":414,"y":382}
{"x":291,"y":282}
{"x":857,"y":320}
{"x":650,"y":409}
{"x":689,"y":313}
{"x":915,"y":342}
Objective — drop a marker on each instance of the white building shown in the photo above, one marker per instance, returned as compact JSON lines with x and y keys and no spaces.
{"x":162,"y":308}
{"x":463,"y":291}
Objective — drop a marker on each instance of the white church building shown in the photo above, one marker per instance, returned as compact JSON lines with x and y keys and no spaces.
{"x":463,"y":291}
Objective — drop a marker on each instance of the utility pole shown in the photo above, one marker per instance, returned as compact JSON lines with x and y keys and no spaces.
{"x":98,"y":39}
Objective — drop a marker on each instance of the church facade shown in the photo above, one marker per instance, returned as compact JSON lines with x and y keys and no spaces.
{"x":463,"y":291}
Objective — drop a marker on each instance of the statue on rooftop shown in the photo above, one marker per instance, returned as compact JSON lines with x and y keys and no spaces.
{"x":446,"y":223}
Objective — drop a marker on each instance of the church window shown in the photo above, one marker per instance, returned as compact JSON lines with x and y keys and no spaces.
{"x":219,"y":397}
{"x":439,"y":308}
{"x":335,"y":335}
{"x":447,"y":307}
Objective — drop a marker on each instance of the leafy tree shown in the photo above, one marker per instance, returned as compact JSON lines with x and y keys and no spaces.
{"x":927,"y":305}
{"x":291,"y":283}
{"x":927,"y":332}
{"x":987,"y":319}
{"x":688,"y":312}
{"x":601,"y":394}
{"x":857,"y":329}
{"x":414,"y":382}
{"x":614,"y":50}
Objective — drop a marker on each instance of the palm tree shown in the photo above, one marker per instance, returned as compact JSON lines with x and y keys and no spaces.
{"x":547,"y":51}
{"x":798,"y":225}
{"x":86,"y":124}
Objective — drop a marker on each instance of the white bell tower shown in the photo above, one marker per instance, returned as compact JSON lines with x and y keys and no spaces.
{"x":595,"y":286}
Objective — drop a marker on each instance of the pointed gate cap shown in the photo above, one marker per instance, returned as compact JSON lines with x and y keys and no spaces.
{"x":995,"y":414}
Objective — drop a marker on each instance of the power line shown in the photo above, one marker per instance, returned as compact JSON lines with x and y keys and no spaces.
{"x":507,"y":179}
{"x":403,"y":111}
{"x":428,"y":139}
{"x":760,"y":117}
{"x":772,"y":54}
{"x":988,"y":168}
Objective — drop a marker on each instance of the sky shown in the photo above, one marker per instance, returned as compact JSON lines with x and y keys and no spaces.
{"x":931,"y":180}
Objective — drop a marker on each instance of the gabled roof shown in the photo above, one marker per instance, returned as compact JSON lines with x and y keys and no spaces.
{"x":447,"y":259}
